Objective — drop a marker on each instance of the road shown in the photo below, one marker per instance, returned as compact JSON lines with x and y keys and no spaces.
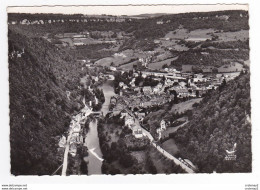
{"x":161,"y":150}
{"x":65,"y":158}
{"x":171,"y":157}
{"x":85,"y":112}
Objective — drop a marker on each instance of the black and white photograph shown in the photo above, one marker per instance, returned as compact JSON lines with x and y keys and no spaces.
{"x":119,"y":90}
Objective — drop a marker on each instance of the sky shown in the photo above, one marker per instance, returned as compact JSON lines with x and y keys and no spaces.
{"x":126,"y":10}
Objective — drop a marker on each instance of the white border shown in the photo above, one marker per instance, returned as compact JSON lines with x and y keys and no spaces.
{"x":225,"y":179}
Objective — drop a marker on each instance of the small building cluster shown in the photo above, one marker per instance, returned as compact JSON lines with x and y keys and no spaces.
{"x":130,"y":122}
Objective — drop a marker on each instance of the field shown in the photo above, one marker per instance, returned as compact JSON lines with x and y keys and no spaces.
{"x":170,"y":146}
{"x":232,"y":67}
{"x":117,"y":59}
{"x":158,"y":65}
{"x":184,"y":106}
{"x":128,"y":66}
{"x":233,"y":36}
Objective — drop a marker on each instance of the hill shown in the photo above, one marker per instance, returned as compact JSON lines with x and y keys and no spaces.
{"x":221,"y":119}
{"x":141,"y":28}
{"x":39,"y":76}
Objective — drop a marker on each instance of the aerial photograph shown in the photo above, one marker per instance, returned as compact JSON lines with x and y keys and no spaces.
{"x":112,"y":90}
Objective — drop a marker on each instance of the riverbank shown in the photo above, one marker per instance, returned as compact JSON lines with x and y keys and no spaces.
{"x":95,"y":157}
{"x":78,"y":140}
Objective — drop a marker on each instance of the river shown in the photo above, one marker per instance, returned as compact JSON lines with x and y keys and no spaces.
{"x":94,"y":158}
{"x":108,"y":90}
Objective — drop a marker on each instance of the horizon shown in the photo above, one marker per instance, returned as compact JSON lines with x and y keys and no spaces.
{"x":125,"y":10}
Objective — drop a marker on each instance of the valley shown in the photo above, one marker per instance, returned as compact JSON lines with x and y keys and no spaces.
{"x":129,"y":95}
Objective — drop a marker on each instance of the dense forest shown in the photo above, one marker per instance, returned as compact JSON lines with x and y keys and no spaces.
{"x":39,"y":107}
{"x":214,"y":57}
{"x":219,"y":121}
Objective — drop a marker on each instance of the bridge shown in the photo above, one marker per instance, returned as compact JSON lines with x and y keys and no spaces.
{"x":101,"y":113}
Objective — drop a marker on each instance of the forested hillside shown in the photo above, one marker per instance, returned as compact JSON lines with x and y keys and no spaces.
{"x":140,"y":28}
{"x":39,"y":107}
{"x":220,"y":120}
{"x":214,"y":57}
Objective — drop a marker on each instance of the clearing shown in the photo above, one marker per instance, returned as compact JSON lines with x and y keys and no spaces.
{"x":170,"y":147}
{"x":158,"y":65}
{"x":184,"y":106}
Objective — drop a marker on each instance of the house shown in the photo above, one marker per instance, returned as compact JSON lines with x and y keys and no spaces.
{"x":25,"y":21}
{"x":135,"y":74}
{"x":73,"y":149}
{"x":123,"y":114}
{"x":76,"y":128}
{"x":79,"y":36}
{"x":146,"y":104}
{"x":163,"y":125}
{"x":168,"y":82}
{"x":95,"y":78}
{"x":161,"y":128}
{"x":129,"y":120}
{"x":137,"y":132}
{"x":182,"y":92}
{"x":159,"y":22}
{"x":157,"y":88}
{"x":137,"y":89}
{"x":78,"y":44}
{"x":147,"y":90}
{"x":73,"y":139}
{"x":144,"y":75}
{"x":132,"y":83}
{"x":121,"y":84}
{"x":210,"y":87}
{"x":158,"y":130}
{"x":125,"y":86}
{"x":81,"y":139}
{"x":204,"y":53}
{"x":140,"y":116}
{"x":112,"y":68}
{"x":113,"y":100}
{"x":183,"y":84}
{"x":199,"y":78}
{"x":63,"y":141}
{"x":193,"y":94}
{"x":223,"y":17}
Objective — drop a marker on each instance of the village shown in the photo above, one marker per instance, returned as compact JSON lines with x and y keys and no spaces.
{"x":172,"y":85}
{"x":132,"y":94}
